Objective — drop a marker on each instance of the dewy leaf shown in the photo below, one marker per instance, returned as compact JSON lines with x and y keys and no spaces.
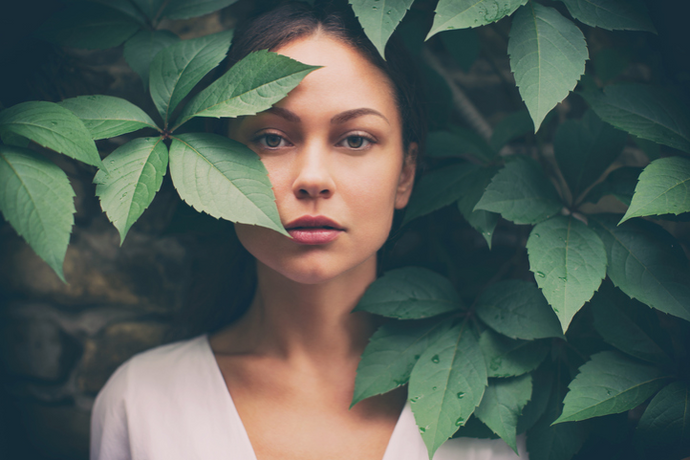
{"x":501,"y":405}
{"x":507,"y":357}
{"x":461,"y":14}
{"x":521,"y":193}
{"x":184,"y":9}
{"x":663,"y":188}
{"x":646,"y":263}
{"x":53,"y":127}
{"x":37,"y":200}
{"x":379,"y":18}
{"x":647,"y":112}
{"x":252,"y":85}
{"x":135,"y":174}
{"x":584,"y":149}
{"x":611,"y":14}
{"x":410,"y":293}
{"x":108,"y":116}
{"x":223,"y":178}
{"x":547,"y":55}
{"x":178,"y":68}
{"x":141,"y":48}
{"x":568,"y":261}
{"x":446,"y":384}
{"x":610,"y":383}
{"x":666,"y":420}
{"x":518,"y":309}
{"x":482,"y":221}
{"x":391,"y":354}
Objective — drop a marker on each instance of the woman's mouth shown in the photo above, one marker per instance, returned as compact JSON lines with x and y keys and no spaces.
{"x":313,"y":230}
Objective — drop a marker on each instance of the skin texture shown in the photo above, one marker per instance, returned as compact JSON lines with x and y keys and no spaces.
{"x":333,"y":147}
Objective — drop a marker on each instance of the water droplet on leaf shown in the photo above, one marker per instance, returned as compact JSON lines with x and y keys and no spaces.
{"x":435,"y":359}
{"x":540,"y":274}
{"x":459,"y":421}
{"x":460,"y":395}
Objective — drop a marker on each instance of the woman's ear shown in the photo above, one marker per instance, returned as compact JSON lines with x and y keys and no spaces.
{"x":407,"y":177}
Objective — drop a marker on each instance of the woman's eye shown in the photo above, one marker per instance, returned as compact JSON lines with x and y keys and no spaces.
{"x":272,"y":140}
{"x":356,"y":142}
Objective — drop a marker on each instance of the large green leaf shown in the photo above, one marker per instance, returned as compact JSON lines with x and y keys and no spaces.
{"x":507,"y":357}
{"x":391,"y":354}
{"x":461,"y":14}
{"x":663,"y":188}
{"x":646,"y":263}
{"x":410,"y":293}
{"x":184,"y":9}
{"x":521,"y":193}
{"x":518,"y":309}
{"x":252,"y":85}
{"x":482,"y":221}
{"x":568,"y":261}
{"x":379,"y":18}
{"x":610,"y":383}
{"x":446,"y":385}
{"x":502,"y":404}
{"x":611,"y":14}
{"x":108,"y":116}
{"x":143,"y":46}
{"x":647,"y":112}
{"x":584,"y":149}
{"x":37,"y":200}
{"x":547,"y":55}
{"x":178,"y":68}
{"x":135,"y":174}
{"x":53,"y":127}
{"x":223,"y":178}
{"x":666,"y":420}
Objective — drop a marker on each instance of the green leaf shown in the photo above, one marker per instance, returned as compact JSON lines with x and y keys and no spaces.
{"x":108,"y":116}
{"x":90,"y":26}
{"x":458,"y":142}
{"x":547,"y":55}
{"x":645,"y":111}
{"x":521,"y":193}
{"x":620,"y":183}
{"x":37,"y":200}
{"x":410,"y":293}
{"x":646,"y":263}
{"x":518,"y":309}
{"x":507,"y":357}
{"x":502,"y":404}
{"x":663,"y":188}
{"x":568,"y":261}
{"x":178,"y":68}
{"x":380,"y":18}
{"x":512,"y":126}
{"x":482,"y":221}
{"x":184,"y":9}
{"x":252,"y":85}
{"x":609,"y":383}
{"x":666,"y":420}
{"x":611,"y":14}
{"x":446,"y":384}
{"x":223,"y":178}
{"x":391,"y":354}
{"x":463,"y":45}
{"x":53,"y":127}
{"x":10,"y":138}
{"x":584,"y":149}
{"x":150,"y":8}
{"x":135,"y":174}
{"x":461,"y":14}
{"x":140,"y":50}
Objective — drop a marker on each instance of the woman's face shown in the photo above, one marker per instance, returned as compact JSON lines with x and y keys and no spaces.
{"x":334,"y":154}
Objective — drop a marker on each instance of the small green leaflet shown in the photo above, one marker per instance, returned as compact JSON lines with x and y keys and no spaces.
{"x":547,"y":55}
{"x":184,"y":9}
{"x":482,"y":221}
{"x":663,"y":188}
{"x":666,"y":420}
{"x":610,"y":383}
{"x":37,"y":200}
{"x":507,"y":357}
{"x":647,"y":112}
{"x":461,"y":14}
{"x":501,"y":405}
{"x":108,"y":116}
{"x":568,"y":261}
{"x":135,"y":174}
{"x":518,"y":309}
{"x":143,"y":46}
{"x":410,"y":293}
{"x":611,"y":14}
{"x":223,"y":178}
{"x":446,"y":385}
{"x":252,"y":85}
{"x":521,"y":193}
{"x":53,"y":127}
{"x":379,"y":18}
{"x":391,"y":354}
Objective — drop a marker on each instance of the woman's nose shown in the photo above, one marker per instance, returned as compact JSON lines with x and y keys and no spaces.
{"x":314,"y":178}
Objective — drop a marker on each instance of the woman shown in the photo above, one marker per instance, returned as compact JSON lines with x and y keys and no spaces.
{"x":277,"y":383}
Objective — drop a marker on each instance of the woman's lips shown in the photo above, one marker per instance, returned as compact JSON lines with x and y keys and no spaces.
{"x":314,"y":230}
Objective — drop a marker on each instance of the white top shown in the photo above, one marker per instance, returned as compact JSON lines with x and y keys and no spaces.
{"x":172,"y":403}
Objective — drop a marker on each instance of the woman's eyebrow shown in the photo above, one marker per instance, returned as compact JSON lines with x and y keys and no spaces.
{"x":284,"y":113}
{"x":354,"y":113}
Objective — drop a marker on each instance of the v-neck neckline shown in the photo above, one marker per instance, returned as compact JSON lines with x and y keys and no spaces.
{"x":234,"y":416}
